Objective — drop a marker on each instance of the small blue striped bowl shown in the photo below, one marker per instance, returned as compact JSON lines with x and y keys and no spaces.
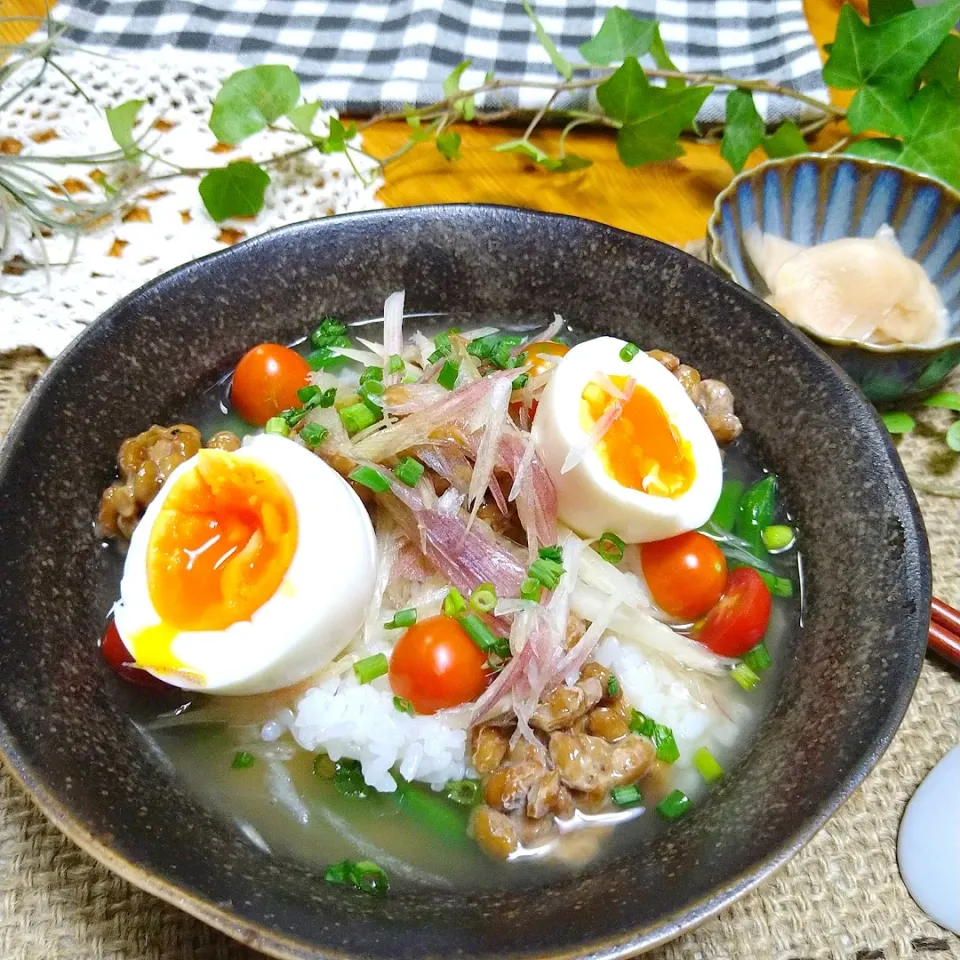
{"x":815,"y":198}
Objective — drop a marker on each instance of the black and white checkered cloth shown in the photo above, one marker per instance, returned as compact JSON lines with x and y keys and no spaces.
{"x":365,"y":55}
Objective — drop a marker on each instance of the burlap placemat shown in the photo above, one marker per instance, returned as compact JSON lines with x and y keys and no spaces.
{"x":840,"y":898}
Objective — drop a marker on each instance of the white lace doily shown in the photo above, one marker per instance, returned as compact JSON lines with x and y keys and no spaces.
{"x":167,"y":225}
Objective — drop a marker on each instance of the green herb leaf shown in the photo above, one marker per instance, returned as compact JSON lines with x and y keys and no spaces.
{"x":880,"y":10}
{"x":251,"y":99}
{"x":880,"y":108}
{"x":944,"y":66}
{"x":566,"y":164}
{"x":448,"y":144}
{"x":785,"y":141}
{"x":654,"y":135}
{"x":946,"y":399}
{"x":452,"y":84}
{"x":559,"y":61}
{"x":953,"y":437}
{"x":302,"y":117}
{"x":877,"y":148}
{"x":743,"y":131}
{"x":622,"y":35}
{"x":121,"y":119}
{"x":889,"y":53}
{"x":898,"y":422}
{"x":932,"y":144}
{"x":338,"y":136}
{"x":623,"y":95}
{"x":235,"y":190}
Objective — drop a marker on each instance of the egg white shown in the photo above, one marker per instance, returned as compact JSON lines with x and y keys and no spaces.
{"x":314,"y":613}
{"x":592,"y":502}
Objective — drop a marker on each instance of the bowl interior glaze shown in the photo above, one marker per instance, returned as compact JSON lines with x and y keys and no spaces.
{"x":852,"y":667}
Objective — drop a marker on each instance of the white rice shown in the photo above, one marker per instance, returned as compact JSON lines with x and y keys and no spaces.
{"x":346,"y":719}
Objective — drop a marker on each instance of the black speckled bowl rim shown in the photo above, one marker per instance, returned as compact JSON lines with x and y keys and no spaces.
{"x":633,"y":939}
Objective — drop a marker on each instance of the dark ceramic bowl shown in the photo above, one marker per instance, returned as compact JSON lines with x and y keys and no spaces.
{"x":814,"y":199}
{"x":851,"y":669}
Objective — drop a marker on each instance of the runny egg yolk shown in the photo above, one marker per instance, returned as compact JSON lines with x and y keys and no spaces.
{"x":221,"y":544}
{"x":642,"y":449}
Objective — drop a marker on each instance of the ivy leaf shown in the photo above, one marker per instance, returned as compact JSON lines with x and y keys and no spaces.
{"x":890,"y":53}
{"x":953,"y":437}
{"x":898,"y":422}
{"x":302,"y":117}
{"x":945,"y":400}
{"x":622,"y":35}
{"x":932,"y":143}
{"x":449,"y":145}
{"x":881,"y":108}
{"x":121,"y":119}
{"x":559,"y":61}
{"x":235,"y":190}
{"x":785,"y":141}
{"x":944,"y":66}
{"x":567,"y":164}
{"x":877,"y":148}
{"x":251,"y":99}
{"x":451,"y":86}
{"x":338,"y":136}
{"x":880,"y":10}
{"x":570,"y":163}
{"x":743,"y":131}
{"x":661,"y":58}
{"x":656,"y":122}
{"x":622,"y":96}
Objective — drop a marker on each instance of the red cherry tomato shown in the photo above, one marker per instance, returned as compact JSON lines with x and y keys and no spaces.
{"x":739,"y":621}
{"x":121,"y":662}
{"x":266,"y":382}
{"x":436,"y":665}
{"x":686,"y":574}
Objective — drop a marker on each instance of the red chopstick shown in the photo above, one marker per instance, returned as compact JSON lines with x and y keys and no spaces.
{"x":944,"y":637}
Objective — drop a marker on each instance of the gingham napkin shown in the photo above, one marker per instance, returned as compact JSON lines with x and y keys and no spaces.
{"x":362,"y":56}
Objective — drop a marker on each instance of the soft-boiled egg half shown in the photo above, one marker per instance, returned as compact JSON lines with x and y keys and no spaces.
{"x":655,"y":472}
{"x":250,"y":571}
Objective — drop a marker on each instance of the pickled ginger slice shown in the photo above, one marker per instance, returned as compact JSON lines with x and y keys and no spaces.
{"x":857,"y":288}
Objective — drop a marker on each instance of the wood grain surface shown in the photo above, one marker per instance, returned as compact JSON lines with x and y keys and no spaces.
{"x":668,"y":201}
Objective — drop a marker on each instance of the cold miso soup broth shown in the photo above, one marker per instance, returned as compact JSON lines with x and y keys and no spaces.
{"x":282,"y":765}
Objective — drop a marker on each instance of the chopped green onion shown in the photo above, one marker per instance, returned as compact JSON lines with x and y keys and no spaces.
{"x":371,"y":373}
{"x":313,"y":434}
{"x":501,"y":355}
{"x":642,"y":724}
{"x":707,"y":766}
{"x":778,"y":536}
{"x":447,"y":377}
{"x":442,"y":342}
{"x":484,"y":598}
{"x":404,"y":706}
{"x":365,"y":875}
{"x":725,"y":512}
{"x":325,"y":359}
{"x":755,"y":511}
{"x":495,"y":348}
{"x":357,"y":417}
{"x":453,"y":603}
{"x":464,"y":792}
{"x":623,"y":796}
{"x":778,"y":586}
{"x":242,"y":760}
{"x":554,"y":553}
{"x":277,"y":426}
{"x":409,"y":471}
{"x":628,"y":351}
{"x":329,"y":397}
{"x":396,"y":363}
{"x":520,"y":382}
{"x":369,"y":668}
{"x":479,"y":632}
{"x":293,"y":416}
{"x":518,"y":361}
{"x":758,"y":659}
{"x":530,"y":589}
{"x":613,"y":686}
{"x":436,"y":356}
{"x":371,"y":478}
{"x":501,"y":648}
{"x":402,"y":619}
{"x":744,"y":676}
{"x":610,"y":547}
{"x":674,"y":805}
{"x":371,"y":388}
{"x":666,"y":744}
{"x":547,"y":572}
{"x":348,"y":780}
{"x":323,"y":767}
{"x":306,"y":394}
{"x":328,"y":332}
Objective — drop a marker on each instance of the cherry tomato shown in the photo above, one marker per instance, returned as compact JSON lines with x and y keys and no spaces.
{"x":266,"y":382}
{"x":685,"y":574}
{"x":543,"y":354}
{"x":121,"y":662}
{"x":436,"y":665}
{"x":739,"y":621}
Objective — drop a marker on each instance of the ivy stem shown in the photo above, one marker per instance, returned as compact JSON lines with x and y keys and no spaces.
{"x":539,"y":115}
